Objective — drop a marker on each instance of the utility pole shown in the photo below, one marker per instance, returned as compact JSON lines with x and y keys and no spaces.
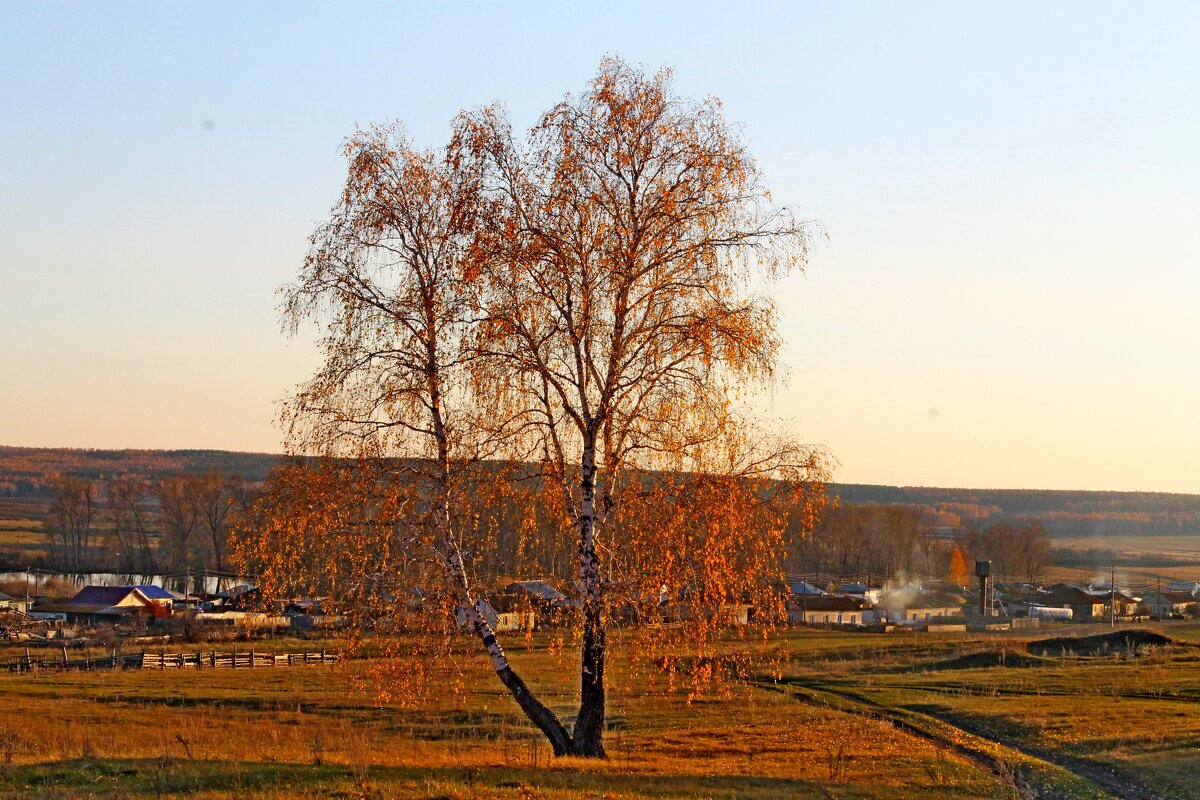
{"x":1112,"y":582}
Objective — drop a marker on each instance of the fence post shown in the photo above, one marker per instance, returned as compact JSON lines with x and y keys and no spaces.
{"x":251,"y":658}
{"x":143,"y":664}
{"x":233,"y":661}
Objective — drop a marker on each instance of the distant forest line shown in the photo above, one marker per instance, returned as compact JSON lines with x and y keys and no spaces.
{"x":31,"y":472}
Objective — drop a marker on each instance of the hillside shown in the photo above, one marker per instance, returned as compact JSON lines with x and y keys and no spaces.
{"x":28,"y":471}
{"x":1065,"y":512}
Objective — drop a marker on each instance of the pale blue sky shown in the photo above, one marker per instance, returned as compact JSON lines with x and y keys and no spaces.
{"x":1008,"y":296}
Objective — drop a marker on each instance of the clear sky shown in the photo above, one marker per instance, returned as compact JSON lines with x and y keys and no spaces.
{"x":1009,"y":296}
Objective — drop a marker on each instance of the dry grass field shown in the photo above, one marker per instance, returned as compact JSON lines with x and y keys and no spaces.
{"x":1126,"y":721}
{"x":302,"y":733}
{"x":1138,"y":559}
{"x":21,"y":536}
{"x":847,"y":716}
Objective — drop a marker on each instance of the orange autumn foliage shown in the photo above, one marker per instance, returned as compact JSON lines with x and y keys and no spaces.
{"x":565,"y":325}
{"x":958,"y":574}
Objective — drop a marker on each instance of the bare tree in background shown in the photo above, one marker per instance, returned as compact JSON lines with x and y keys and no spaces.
{"x":217,"y":500}
{"x":130,"y":517}
{"x":69,"y":522}
{"x":178,"y":498}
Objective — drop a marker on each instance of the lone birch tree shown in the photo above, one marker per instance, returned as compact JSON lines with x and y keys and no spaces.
{"x":577,"y":306}
{"x":623,"y":238}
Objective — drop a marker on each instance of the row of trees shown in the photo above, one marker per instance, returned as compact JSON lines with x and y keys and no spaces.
{"x":141,"y":526}
{"x":1019,"y":549}
{"x":136,"y":525}
{"x":905,"y":542}
{"x":879,"y":541}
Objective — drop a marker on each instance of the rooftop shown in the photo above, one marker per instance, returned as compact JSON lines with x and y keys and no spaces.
{"x":155,"y":592}
{"x":105,"y":596}
{"x":827,"y":602}
{"x":1066,"y":594}
{"x":539,"y":589}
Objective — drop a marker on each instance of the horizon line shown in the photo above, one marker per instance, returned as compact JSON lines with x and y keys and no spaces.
{"x":831,"y":483}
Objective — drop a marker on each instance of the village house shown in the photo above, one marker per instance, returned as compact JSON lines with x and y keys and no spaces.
{"x":242,"y":597}
{"x":827,"y":609}
{"x":735,"y":613}
{"x":1083,"y":606}
{"x":952,"y":596}
{"x":861,"y":591}
{"x":106,"y":604}
{"x":1125,"y":605}
{"x":914,"y":607}
{"x":506,"y":622}
{"x":160,"y":595}
{"x":1166,"y":604}
{"x":805,"y":588}
{"x":536,"y":596}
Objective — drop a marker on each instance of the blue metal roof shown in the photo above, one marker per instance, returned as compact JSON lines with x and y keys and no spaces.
{"x":154,"y":592}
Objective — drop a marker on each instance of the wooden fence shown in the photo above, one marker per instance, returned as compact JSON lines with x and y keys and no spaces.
{"x":196,"y":660}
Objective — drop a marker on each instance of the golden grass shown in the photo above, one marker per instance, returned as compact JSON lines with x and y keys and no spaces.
{"x":1136,"y":714}
{"x":303,"y":732}
{"x":288,"y":732}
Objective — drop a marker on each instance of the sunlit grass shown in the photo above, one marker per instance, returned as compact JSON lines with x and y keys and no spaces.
{"x":1137,"y":714}
{"x":284,"y":732}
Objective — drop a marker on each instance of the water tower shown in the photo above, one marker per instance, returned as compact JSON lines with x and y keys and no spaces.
{"x":983,"y":571}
